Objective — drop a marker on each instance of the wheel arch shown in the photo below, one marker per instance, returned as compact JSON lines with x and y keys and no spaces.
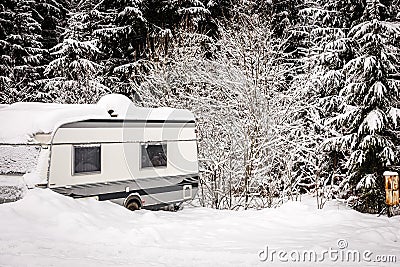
{"x":133,"y":197}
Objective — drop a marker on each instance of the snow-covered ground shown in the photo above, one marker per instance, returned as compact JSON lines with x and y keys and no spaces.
{"x":47,"y":229}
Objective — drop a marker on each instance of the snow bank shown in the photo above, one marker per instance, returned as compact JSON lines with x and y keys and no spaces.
{"x":47,"y":229}
{"x":20,"y":121}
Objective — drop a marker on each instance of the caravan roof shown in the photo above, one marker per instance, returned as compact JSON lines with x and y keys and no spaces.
{"x":20,"y":121}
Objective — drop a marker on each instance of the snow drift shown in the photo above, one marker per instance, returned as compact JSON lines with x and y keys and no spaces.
{"x":45,"y":229}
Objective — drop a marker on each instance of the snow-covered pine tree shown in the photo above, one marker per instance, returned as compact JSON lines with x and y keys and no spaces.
{"x":178,"y":18}
{"x":284,"y":15}
{"x":21,"y":50}
{"x":328,"y":24}
{"x":285,"y":22}
{"x":186,"y":15}
{"x":368,"y":123}
{"x":122,"y":32}
{"x":220,"y":9}
{"x":329,"y":49}
{"x":51,"y":14}
{"x":134,"y":33}
{"x":6,"y":28}
{"x":74,"y":76}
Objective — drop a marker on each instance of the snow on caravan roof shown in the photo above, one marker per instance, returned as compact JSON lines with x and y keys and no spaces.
{"x":20,"y":121}
{"x":124,"y":108}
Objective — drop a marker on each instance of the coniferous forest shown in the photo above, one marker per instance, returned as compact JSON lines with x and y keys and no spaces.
{"x":290,"y":97}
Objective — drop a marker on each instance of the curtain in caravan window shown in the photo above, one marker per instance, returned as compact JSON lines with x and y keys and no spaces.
{"x":154,"y":155}
{"x":87,"y":159}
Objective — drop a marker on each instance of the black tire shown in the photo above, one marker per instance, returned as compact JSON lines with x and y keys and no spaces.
{"x":178,"y":206}
{"x":133,"y":205}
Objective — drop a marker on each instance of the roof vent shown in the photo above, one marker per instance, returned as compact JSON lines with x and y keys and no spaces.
{"x":112,"y":114}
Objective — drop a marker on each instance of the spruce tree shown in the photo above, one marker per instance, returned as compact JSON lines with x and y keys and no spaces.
{"x":368,"y":119}
{"x":134,"y":34}
{"x":21,"y":50}
{"x":74,"y":76}
{"x":6,"y":28}
{"x":330,"y":49}
{"x":52,"y":16}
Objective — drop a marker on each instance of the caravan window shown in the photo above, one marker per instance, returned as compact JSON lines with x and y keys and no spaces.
{"x":87,"y":159}
{"x":154,"y":155}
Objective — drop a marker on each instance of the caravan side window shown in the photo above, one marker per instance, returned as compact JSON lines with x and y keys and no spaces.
{"x":154,"y":155}
{"x":87,"y":159}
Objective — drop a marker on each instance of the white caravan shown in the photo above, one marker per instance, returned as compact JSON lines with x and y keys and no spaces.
{"x":138,"y":157}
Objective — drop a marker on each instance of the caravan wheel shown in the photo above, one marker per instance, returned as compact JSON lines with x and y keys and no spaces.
{"x":178,"y":206}
{"x":133,"y":205}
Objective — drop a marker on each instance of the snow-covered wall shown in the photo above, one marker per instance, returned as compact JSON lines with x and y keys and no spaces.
{"x":18,"y":159}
